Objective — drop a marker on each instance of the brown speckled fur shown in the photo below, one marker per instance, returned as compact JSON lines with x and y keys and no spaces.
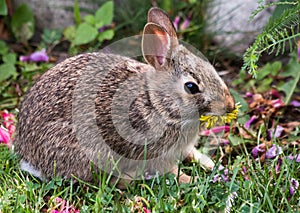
{"x":92,"y":96}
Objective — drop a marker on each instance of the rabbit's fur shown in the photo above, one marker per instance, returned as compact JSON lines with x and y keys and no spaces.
{"x":114,"y":111}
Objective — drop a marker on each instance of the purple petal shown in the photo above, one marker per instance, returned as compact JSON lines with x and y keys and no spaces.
{"x":224,"y":142}
{"x":24,"y":58}
{"x":294,"y":183}
{"x":225,"y":178}
{"x":102,"y":29}
{"x":277,"y":103}
{"x":256,"y":150}
{"x":299,"y":50}
{"x":292,"y":190}
{"x":216,"y":178}
{"x":273,"y":151}
{"x":176,"y":22}
{"x":185,"y":24}
{"x":278,"y":166}
{"x":250,"y":121}
{"x":295,"y":103}
{"x":249,"y":94}
{"x":295,"y":157}
{"x":39,"y":56}
{"x":278,"y":131}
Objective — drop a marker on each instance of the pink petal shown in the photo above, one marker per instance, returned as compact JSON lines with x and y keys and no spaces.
{"x":185,"y":24}
{"x":215,"y":130}
{"x":146,"y":210}
{"x":7,"y":116}
{"x":176,"y":22}
{"x":4,"y":136}
{"x":277,"y":103}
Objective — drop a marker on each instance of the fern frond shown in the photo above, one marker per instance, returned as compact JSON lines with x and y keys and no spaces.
{"x":262,"y":7}
{"x":276,"y":35}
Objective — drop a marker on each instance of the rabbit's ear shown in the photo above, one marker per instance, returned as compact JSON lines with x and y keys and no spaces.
{"x":156,"y":46}
{"x":158,"y":16}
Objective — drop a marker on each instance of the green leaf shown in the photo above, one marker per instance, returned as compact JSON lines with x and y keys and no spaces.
{"x":76,"y":12}
{"x":239,"y":99}
{"x":90,"y":20}
{"x":85,"y":33}
{"x":3,"y":48}
{"x":69,"y":33}
{"x":264,"y":85}
{"x":3,"y":8}
{"x":105,"y":13}
{"x":10,"y":58}
{"x":235,"y":140}
{"x":269,"y":68}
{"x":22,"y":23}
{"x":106,"y":35}
{"x":6,"y":71}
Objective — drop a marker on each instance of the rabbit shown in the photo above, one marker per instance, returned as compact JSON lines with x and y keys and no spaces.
{"x":106,"y":112}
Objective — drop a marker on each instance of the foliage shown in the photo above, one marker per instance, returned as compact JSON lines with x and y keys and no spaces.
{"x":131,"y":18}
{"x":3,"y":8}
{"x":250,"y":183}
{"x":15,"y":76}
{"x":273,"y":75}
{"x":93,"y":29}
{"x":281,"y":30}
{"x":21,"y":22}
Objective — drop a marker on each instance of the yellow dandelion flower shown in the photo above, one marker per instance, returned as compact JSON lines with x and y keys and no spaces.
{"x":213,"y":120}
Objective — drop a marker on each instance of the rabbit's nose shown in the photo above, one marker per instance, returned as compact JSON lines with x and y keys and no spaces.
{"x":229,"y":101}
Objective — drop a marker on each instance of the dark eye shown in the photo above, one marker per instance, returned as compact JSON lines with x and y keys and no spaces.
{"x":191,"y":87}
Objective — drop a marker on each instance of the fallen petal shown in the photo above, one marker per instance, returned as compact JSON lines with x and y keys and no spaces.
{"x":295,"y":103}
{"x":256,"y":150}
{"x":295,"y":183}
{"x":295,"y":157}
{"x":249,"y":94}
{"x":215,"y":130}
{"x":273,"y":151}
{"x":250,"y":121}
{"x":278,"y":131}
{"x":277,"y":103}
{"x":278,"y":166}
{"x":292,"y":190}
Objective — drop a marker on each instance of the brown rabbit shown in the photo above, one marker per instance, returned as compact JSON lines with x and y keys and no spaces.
{"x":121,"y":115}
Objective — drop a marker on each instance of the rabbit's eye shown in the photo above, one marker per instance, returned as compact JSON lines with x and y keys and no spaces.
{"x":191,"y":87}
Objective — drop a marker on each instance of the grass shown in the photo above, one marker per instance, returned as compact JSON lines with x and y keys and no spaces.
{"x":258,"y":189}
{"x":247,"y":184}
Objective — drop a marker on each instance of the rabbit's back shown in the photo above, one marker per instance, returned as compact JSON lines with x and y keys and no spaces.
{"x":46,"y":133}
